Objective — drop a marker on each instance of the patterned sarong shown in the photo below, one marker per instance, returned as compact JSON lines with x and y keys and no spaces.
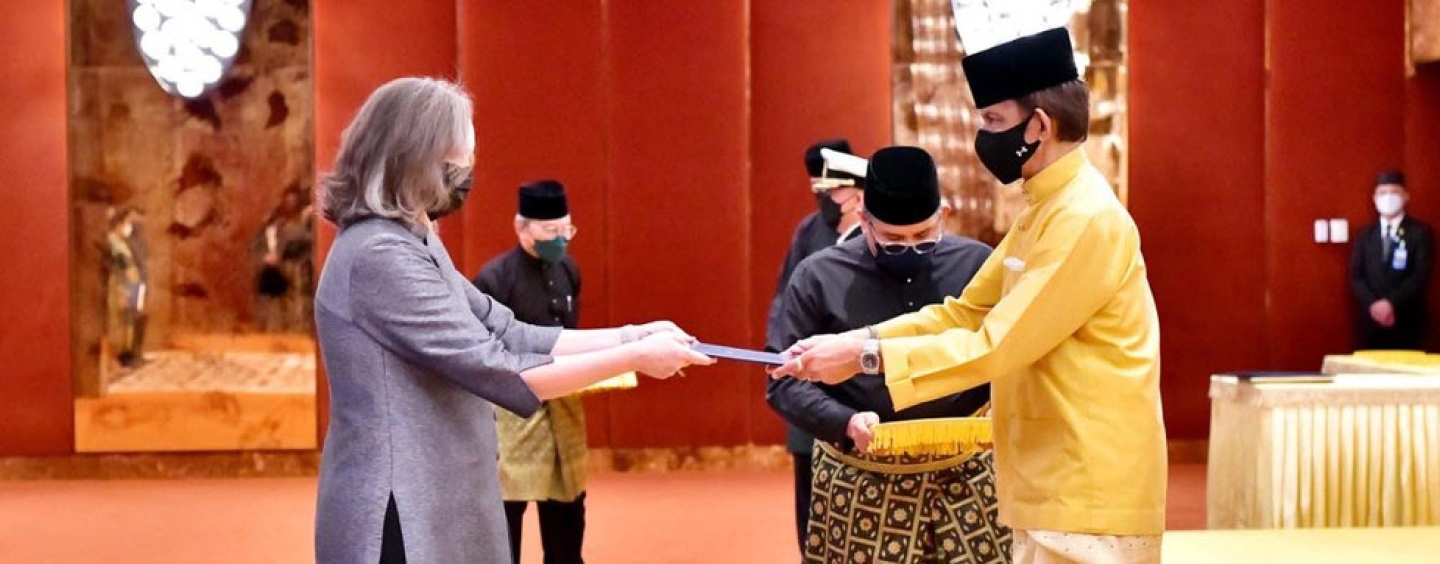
{"x":543,"y":457}
{"x":869,"y":509}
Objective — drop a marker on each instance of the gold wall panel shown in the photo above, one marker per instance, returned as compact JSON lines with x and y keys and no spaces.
{"x":933,"y":108}
{"x":179,"y":421}
{"x":1424,"y":27}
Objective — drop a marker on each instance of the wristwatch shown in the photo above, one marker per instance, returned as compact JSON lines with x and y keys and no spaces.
{"x":870,"y":357}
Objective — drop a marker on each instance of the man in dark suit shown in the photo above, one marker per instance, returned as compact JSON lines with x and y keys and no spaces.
{"x":837,"y":220}
{"x":1389,"y":268}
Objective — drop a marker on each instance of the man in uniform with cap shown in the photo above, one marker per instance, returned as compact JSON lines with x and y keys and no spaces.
{"x":838,"y":196}
{"x":885,"y":508}
{"x":1389,"y":268}
{"x":1060,"y":321}
{"x":542,"y":458}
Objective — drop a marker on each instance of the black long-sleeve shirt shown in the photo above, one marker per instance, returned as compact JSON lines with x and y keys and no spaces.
{"x":811,"y":236}
{"x":842,"y":288}
{"x":539,"y":292}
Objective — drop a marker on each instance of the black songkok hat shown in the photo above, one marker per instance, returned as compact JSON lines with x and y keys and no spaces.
{"x":1020,"y":67}
{"x":543,"y":199}
{"x":1390,"y":177}
{"x":901,"y":186}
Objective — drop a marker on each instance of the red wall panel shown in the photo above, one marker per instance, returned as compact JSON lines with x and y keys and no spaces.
{"x":817,"y":71}
{"x":360,"y":45}
{"x":35,"y":383}
{"x":540,"y":113}
{"x":1335,"y":116}
{"x":1422,"y":164}
{"x":1196,"y":190}
{"x":678,"y":208}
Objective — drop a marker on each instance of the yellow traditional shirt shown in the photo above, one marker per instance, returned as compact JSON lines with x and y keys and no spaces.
{"x":1060,"y":320}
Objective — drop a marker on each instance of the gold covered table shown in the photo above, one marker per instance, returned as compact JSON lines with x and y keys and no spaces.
{"x":1382,"y":362}
{"x":1327,"y":451}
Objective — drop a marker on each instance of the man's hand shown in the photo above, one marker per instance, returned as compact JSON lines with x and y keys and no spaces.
{"x":861,"y":429}
{"x":831,"y":359}
{"x":1383,"y":312}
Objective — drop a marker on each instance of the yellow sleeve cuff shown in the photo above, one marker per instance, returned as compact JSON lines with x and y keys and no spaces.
{"x":895,"y":355}
{"x":897,"y":327}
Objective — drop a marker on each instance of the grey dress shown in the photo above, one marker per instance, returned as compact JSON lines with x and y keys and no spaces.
{"x":415,"y":355}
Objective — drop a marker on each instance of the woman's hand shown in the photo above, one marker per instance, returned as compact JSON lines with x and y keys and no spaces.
{"x":658,"y":327}
{"x":631,"y":333}
{"x":665,"y":353}
{"x":664,"y":326}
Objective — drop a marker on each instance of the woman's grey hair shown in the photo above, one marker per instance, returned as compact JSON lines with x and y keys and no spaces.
{"x":390,"y":162}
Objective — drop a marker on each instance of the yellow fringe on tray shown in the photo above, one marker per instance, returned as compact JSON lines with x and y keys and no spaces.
{"x":624,"y":381}
{"x":936,"y":437}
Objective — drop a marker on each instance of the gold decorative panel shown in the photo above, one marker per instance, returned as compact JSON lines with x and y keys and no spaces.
{"x":933,"y":108}
{"x":192,"y":241}
{"x":1424,"y":27}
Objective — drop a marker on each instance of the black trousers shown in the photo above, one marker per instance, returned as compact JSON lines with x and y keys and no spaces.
{"x":802,"y":495}
{"x":562,"y":529}
{"x":392,"y":543}
{"x":1407,"y":334}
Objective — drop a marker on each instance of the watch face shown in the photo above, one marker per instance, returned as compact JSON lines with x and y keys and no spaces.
{"x":869,"y":362}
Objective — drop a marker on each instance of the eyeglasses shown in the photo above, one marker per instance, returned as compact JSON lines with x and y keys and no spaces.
{"x":566,"y":231}
{"x":894,"y":248}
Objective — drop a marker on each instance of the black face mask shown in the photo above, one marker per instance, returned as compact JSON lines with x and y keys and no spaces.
{"x":906,"y":265}
{"x":829,"y":210}
{"x":457,"y":184}
{"x":1004,"y":153}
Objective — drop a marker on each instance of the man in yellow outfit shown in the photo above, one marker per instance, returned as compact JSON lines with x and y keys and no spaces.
{"x":1059,"y":320}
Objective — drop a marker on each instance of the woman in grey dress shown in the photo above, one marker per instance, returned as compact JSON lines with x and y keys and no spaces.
{"x":416,"y":355}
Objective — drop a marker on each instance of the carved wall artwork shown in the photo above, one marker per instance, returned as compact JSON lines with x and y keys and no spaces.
{"x":933,"y":107}
{"x":1424,"y":24}
{"x":182,"y":208}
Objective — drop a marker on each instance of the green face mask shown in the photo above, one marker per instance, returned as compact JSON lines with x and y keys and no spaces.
{"x":552,"y":250}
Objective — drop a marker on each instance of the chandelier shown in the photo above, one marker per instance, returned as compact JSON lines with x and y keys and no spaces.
{"x":188,"y":44}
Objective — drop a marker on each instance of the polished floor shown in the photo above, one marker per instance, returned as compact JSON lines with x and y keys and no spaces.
{"x":635,"y":518}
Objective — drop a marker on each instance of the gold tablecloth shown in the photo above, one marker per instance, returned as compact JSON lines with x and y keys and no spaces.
{"x":1340,"y":451}
{"x":1382,"y":362}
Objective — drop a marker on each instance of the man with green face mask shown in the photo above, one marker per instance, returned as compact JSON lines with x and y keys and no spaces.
{"x":543,"y":457}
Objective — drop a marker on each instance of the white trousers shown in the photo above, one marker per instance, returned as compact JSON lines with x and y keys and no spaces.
{"x":1050,"y":547}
